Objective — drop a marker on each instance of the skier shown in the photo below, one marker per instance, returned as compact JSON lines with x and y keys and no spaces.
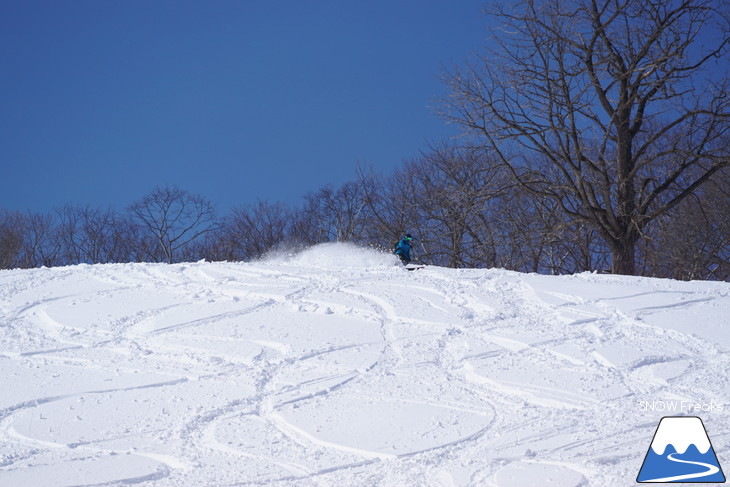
{"x":403,"y":248}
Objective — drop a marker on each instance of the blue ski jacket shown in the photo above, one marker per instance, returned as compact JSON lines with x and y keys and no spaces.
{"x":404,"y":248}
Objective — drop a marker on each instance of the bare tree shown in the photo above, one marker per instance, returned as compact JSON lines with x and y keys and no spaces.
{"x":41,"y":243}
{"x":12,"y":231}
{"x":442,"y":197}
{"x":336,"y":214}
{"x":94,"y":235}
{"x":615,"y":109}
{"x":693,"y":241}
{"x":452,"y":187}
{"x":389,"y":204}
{"x":174,"y":218}
{"x":252,"y":231}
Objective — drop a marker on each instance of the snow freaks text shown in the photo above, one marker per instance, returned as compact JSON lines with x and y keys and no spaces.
{"x":680,"y":407}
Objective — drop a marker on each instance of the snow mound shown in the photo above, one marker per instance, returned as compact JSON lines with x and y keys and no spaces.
{"x":334,"y":255}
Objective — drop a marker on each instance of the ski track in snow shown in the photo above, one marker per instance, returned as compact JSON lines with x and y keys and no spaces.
{"x":304,"y":373}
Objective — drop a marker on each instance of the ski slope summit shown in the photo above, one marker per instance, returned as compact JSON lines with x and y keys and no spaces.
{"x":337,"y":367}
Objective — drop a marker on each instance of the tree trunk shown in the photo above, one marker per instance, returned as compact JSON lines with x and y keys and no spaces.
{"x":623,"y":255}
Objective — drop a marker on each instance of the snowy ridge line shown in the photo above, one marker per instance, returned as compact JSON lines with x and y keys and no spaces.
{"x":308,"y":372}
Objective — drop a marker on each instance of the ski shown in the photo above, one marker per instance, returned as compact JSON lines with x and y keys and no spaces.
{"x":413,"y":267}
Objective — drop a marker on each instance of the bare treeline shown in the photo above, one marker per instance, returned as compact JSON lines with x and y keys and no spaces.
{"x":596,"y":137}
{"x":462,"y":206}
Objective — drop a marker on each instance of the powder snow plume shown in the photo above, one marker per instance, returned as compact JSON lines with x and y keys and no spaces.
{"x":333,"y":255}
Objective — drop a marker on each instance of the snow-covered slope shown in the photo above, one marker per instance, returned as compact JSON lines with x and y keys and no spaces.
{"x":337,"y":367}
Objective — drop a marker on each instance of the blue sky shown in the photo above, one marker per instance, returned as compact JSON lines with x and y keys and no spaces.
{"x":239,"y":101}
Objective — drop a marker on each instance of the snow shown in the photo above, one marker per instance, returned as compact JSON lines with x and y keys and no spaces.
{"x":335,"y":366}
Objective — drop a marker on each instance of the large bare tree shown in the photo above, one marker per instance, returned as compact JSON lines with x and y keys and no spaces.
{"x":616,"y":109}
{"x":174,"y":218}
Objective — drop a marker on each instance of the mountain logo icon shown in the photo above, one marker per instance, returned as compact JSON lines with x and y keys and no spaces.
{"x":681,"y":452}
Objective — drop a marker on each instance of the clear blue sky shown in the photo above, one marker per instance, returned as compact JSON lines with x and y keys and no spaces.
{"x":102,"y":100}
